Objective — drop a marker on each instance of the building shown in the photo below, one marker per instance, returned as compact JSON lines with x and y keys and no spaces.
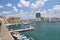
{"x":42,"y":19}
{"x":55,"y":19}
{"x":13,"y":20}
{"x":59,"y":19}
{"x":46,"y":18}
{"x":38,"y":15}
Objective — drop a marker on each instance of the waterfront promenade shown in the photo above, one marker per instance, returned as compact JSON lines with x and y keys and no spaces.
{"x":5,"y":34}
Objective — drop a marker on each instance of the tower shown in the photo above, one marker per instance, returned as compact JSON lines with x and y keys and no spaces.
{"x":38,"y":15}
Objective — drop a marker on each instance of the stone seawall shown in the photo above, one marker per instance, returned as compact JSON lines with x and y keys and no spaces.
{"x":5,"y":34}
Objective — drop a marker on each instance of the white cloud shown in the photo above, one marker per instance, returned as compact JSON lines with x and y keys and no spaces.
{"x":38,"y":4}
{"x":56,"y":7}
{"x":9,"y":5}
{"x":33,"y":5}
{"x":19,"y":5}
{"x":32,"y":15}
{"x":44,"y":13}
{"x":15,"y":9}
{"x":45,"y":0}
{"x":22,"y":14}
{"x":24,"y":3}
{"x":54,"y":12}
{"x":0,"y":13}
{"x":6,"y":12}
{"x":1,"y":6}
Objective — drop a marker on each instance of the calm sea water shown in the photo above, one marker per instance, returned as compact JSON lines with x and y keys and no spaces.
{"x":45,"y":31}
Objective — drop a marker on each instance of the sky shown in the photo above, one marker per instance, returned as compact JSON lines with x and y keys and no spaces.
{"x":27,"y":9}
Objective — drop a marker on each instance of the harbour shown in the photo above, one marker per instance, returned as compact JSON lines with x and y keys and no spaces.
{"x":49,"y":30}
{"x":44,"y":31}
{"x":29,"y":19}
{"x":16,"y":35}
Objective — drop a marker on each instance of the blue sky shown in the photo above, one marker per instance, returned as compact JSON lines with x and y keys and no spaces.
{"x":26,"y":9}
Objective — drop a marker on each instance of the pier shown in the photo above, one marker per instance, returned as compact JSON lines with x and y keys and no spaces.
{"x":4,"y":32}
{"x":21,"y":30}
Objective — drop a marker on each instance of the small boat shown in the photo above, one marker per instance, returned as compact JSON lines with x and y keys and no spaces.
{"x":25,"y":23}
{"x":30,"y":27}
{"x":19,"y":36}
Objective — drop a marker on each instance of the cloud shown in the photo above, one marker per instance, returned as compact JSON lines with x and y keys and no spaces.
{"x":44,"y":13}
{"x":38,"y":4}
{"x":0,"y":13}
{"x":19,"y":5}
{"x":6,"y":12}
{"x":45,"y":0}
{"x":22,"y":14}
{"x":24,"y":3}
{"x":1,"y":6}
{"x":32,"y":15}
{"x":54,"y":12}
{"x":9,"y":5}
{"x":15,"y":9}
{"x":56,"y":7}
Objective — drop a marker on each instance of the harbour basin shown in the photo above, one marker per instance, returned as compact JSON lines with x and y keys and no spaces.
{"x":43,"y":30}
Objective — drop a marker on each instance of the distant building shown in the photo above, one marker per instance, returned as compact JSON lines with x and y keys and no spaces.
{"x":38,"y":15}
{"x":42,"y":19}
{"x":46,"y":18}
{"x":54,"y":19}
{"x":14,"y":20}
{"x":59,"y":19}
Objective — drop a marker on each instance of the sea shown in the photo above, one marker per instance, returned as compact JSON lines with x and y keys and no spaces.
{"x":43,"y":31}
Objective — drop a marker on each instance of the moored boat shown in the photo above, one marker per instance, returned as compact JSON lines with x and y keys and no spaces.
{"x":20,"y":37}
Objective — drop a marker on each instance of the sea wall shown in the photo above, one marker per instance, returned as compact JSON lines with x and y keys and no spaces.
{"x":5,"y":34}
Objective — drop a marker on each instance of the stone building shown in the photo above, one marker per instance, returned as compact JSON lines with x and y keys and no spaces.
{"x":14,"y":20}
{"x":54,"y":19}
{"x":46,"y":18}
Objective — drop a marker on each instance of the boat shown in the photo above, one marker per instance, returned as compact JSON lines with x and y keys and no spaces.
{"x":30,"y":27}
{"x":25,"y":23}
{"x":18,"y":36}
